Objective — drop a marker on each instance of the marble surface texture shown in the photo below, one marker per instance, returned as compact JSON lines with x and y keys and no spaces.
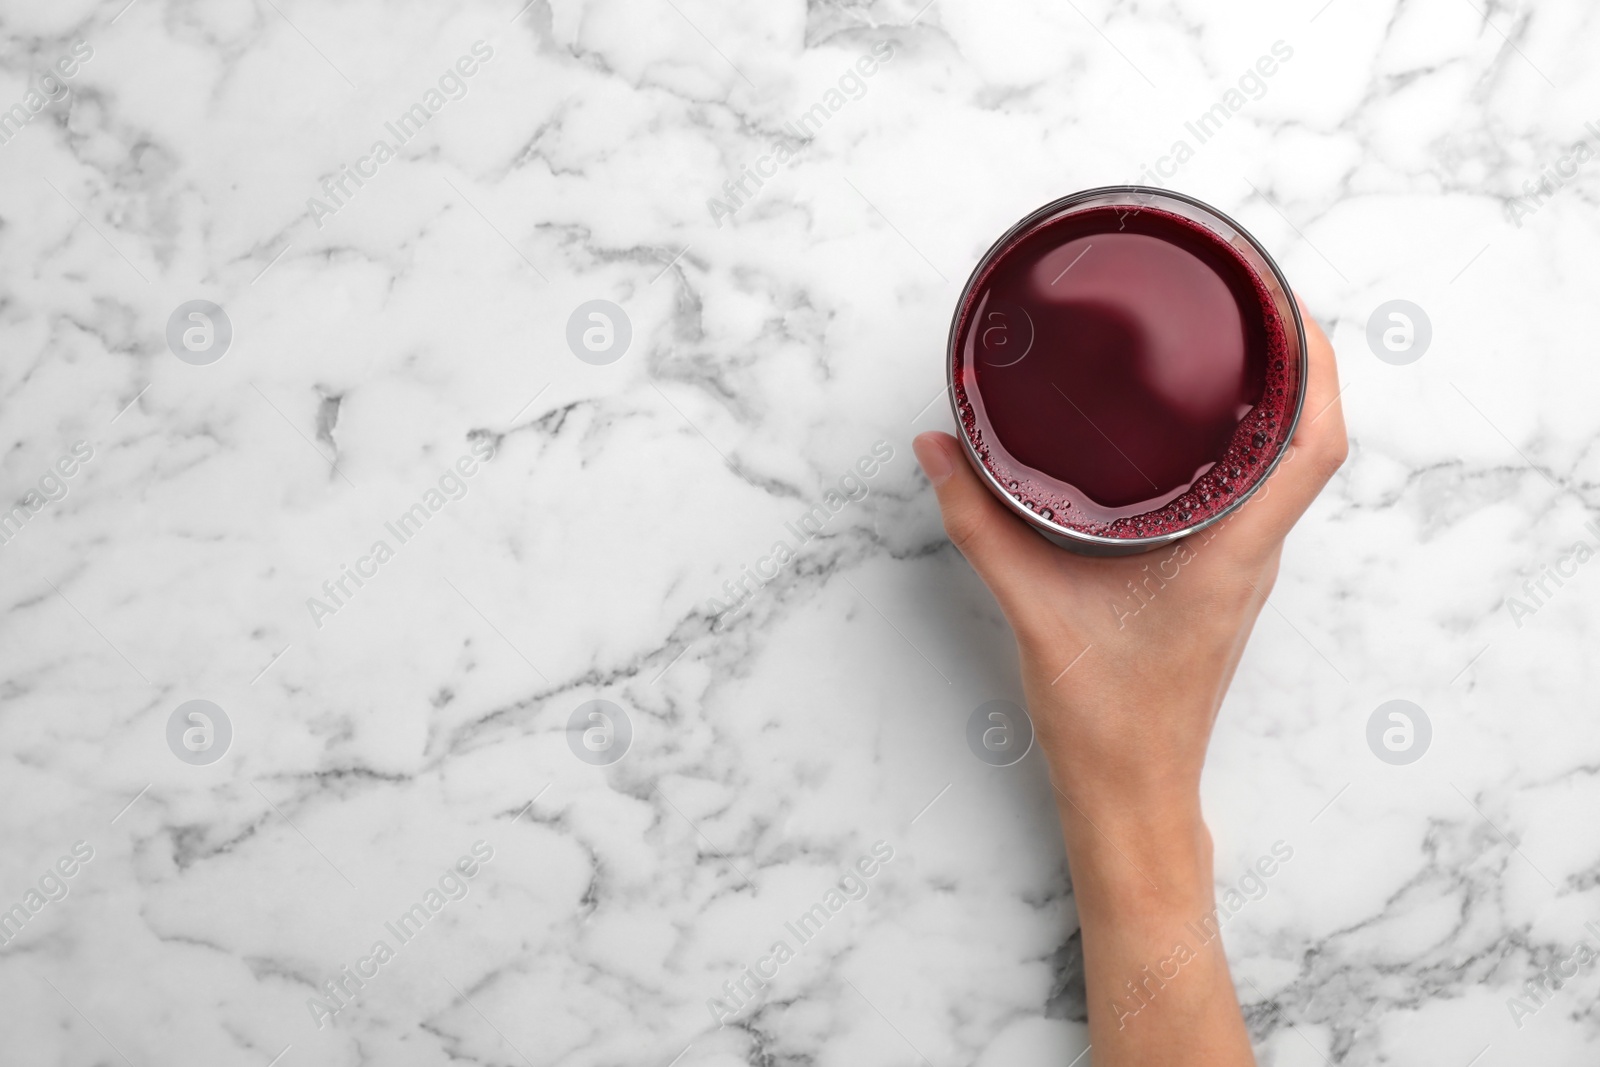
{"x":390,"y":337}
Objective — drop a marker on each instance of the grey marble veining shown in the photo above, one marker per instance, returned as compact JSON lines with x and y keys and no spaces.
{"x":557,"y":530}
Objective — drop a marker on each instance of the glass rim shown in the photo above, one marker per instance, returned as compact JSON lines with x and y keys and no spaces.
{"x":1111,"y":195}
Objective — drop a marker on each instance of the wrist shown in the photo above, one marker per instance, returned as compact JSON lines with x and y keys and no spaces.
{"x":1144,"y":858}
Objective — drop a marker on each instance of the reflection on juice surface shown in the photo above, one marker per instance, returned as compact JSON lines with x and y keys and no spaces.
{"x":1123,"y":373}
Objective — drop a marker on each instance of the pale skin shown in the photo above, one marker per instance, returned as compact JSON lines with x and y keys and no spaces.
{"x":1125,"y":729}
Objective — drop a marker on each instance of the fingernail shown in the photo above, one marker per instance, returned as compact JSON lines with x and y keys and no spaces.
{"x":934,"y":457}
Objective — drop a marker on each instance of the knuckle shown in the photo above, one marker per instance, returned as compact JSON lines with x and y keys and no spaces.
{"x":965,"y":531}
{"x":1328,"y":452}
{"x":1335,"y":453}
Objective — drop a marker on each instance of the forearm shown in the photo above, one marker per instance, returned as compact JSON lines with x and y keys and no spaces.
{"x":1159,"y":990}
{"x":1123,"y":711}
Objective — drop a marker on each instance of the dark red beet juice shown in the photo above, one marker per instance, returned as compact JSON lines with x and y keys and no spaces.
{"x":1125,"y":373}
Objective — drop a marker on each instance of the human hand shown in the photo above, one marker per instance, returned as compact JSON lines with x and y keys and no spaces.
{"x":1125,"y":660}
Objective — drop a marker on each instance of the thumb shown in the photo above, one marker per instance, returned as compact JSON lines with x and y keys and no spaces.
{"x":998,"y":544}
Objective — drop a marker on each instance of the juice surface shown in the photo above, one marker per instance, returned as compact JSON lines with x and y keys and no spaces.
{"x":1123,"y":372}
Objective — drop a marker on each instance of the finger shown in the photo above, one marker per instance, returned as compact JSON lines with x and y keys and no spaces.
{"x":1317,"y":450}
{"x":998,"y":544}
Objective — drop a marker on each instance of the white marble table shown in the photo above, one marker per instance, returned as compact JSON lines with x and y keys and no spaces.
{"x":558,"y":530}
